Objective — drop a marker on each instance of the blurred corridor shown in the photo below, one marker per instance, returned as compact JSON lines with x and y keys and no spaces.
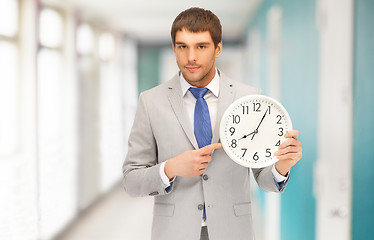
{"x":110,"y":218}
{"x":70,"y":75}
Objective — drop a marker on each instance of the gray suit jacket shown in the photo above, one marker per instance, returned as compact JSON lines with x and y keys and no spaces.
{"x":161,"y":131}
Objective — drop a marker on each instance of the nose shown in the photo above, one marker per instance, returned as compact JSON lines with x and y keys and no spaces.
{"x":192,"y":57}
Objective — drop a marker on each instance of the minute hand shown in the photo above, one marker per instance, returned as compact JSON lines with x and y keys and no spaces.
{"x":256,"y":130}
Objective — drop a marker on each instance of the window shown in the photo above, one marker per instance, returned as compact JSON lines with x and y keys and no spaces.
{"x":9,"y":80}
{"x":106,"y":46}
{"x":8,"y":98}
{"x":18,"y":218}
{"x":88,"y":114}
{"x":85,"y":39}
{"x":51,"y":28}
{"x":8,"y":18}
{"x":57,"y":167}
{"x":50,"y":88}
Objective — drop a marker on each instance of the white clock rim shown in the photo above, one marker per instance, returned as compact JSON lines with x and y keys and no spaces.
{"x":227,"y":112}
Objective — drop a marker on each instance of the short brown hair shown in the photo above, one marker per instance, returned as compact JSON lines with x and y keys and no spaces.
{"x":198,"y":20}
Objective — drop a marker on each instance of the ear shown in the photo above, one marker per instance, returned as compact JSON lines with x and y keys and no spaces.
{"x":218,"y":49}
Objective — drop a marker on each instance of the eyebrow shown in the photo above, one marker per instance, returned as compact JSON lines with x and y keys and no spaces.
{"x":201,"y":43}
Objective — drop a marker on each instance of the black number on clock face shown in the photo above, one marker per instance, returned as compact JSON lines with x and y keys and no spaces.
{"x":256,"y":107}
{"x":279,"y":119}
{"x":278,"y":143}
{"x":245,"y":109}
{"x":255,"y":156}
{"x":268,"y":153}
{"x":235,"y":119}
{"x":233,"y":143}
{"x":232,"y":130}
{"x":245,"y":150}
{"x":281,"y":132}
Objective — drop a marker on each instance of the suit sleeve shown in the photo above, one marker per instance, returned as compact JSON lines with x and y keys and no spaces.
{"x":265,"y":179}
{"x":141,"y":176}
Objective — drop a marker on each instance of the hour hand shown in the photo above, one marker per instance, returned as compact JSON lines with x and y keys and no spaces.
{"x":245,"y":136}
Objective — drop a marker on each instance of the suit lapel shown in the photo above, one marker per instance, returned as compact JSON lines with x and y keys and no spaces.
{"x":176,"y":101}
{"x":225,"y":98}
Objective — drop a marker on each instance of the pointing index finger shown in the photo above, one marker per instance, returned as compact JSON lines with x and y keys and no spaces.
{"x":207,"y":150}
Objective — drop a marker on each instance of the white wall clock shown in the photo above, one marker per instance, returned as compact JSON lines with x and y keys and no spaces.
{"x":252,"y":128}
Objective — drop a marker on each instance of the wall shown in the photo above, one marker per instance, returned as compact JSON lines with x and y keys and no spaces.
{"x":363,"y":166}
{"x":148,"y":67}
{"x":299,"y":78}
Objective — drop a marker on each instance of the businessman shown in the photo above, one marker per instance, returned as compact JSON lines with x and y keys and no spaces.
{"x":174,"y":152}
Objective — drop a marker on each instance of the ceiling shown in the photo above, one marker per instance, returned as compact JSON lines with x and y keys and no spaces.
{"x":150,"y":21}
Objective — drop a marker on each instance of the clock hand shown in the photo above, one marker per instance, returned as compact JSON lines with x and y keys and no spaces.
{"x":246,"y":135}
{"x":256,"y":130}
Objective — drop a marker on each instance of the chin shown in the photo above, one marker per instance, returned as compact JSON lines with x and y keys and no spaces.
{"x":190,"y":78}
{"x":194,"y":80}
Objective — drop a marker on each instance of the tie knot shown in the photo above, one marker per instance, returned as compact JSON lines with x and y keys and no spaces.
{"x":198,"y":92}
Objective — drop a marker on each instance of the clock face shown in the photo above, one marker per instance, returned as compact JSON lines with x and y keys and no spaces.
{"x":252,"y":128}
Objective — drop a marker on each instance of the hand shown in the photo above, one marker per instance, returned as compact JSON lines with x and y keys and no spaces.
{"x":289,"y":152}
{"x":245,"y":136}
{"x":190,"y":163}
{"x":262,"y":119}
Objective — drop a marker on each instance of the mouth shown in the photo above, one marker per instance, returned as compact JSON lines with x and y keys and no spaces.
{"x":192,"y":68}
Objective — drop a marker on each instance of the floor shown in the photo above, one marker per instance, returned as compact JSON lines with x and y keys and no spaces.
{"x":116,"y":216}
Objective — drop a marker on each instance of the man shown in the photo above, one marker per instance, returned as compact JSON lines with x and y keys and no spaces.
{"x":199,"y":192}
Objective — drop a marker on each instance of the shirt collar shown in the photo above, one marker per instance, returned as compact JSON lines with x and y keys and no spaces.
{"x":213,"y":86}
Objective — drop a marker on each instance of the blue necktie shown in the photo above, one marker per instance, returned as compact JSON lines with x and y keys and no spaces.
{"x":202,"y":125}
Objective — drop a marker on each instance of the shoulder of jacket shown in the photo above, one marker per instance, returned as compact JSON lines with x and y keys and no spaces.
{"x":240,"y":86}
{"x":161,"y":88}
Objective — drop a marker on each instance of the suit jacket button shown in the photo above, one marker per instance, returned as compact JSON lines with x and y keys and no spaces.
{"x":200,"y":206}
{"x":205,"y":177}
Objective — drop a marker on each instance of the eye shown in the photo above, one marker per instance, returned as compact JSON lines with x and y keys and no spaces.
{"x":202,"y":47}
{"x":182,"y":46}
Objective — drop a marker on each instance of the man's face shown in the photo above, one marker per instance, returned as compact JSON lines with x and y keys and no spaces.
{"x":196,"y":55}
